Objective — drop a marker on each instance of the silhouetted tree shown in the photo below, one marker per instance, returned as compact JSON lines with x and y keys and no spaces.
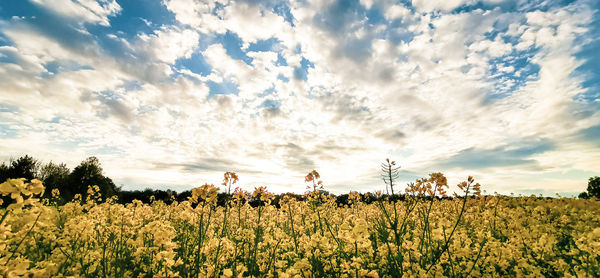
{"x":25,"y":167}
{"x":3,"y":171}
{"x":89,"y":173}
{"x":183,"y":196}
{"x":4,"y":168}
{"x":167,"y":196}
{"x":342,"y":200}
{"x":54,"y":176}
{"x":593,"y":189}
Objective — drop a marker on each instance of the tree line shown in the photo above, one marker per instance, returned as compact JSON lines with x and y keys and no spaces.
{"x":89,"y":172}
{"x":72,"y":182}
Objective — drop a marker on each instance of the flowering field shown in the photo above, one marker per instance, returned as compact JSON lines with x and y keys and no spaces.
{"x":468,"y":235}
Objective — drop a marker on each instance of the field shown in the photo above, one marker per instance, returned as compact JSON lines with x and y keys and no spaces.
{"x":467,"y":235}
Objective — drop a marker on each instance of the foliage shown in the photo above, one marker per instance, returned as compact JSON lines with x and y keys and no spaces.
{"x":24,"y":167}
{"x":148,"y":195}
{"x":89,"y":172}
{"x":304,"y":236}
{"x":54,"y":176}
{"x":60,"y":177}
{"x":593,"y":189}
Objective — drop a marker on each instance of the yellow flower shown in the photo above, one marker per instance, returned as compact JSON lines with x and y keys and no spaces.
{"x":227,"y":273}
{"x":262,"y":194}
{"x":34,"y":187}
{"x":206,"y":193}
{"x":12,"y":186}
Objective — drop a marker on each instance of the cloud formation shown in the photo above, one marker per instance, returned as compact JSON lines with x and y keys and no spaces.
{"x":175,"y":95}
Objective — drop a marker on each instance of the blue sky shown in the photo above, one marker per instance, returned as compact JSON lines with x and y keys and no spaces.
{"x":171,"y":94}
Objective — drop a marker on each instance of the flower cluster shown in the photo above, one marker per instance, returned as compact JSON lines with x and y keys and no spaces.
{"x":18,"y":189}
{"x":206,"y":194}
{"x":421,"y":235}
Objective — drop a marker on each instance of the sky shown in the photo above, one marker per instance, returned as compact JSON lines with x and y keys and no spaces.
{"x":172,"y":94}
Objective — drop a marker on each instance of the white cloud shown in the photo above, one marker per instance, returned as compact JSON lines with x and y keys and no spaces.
{"x":168,"y":45}
{"x":430,"y":5}
{"x":197,"y":14}
{"x":495,"y":48}
{"x":252,"y":23}
{"x":85,"y":10}
{"x":396,"y":11}
{"x":421,"y":92}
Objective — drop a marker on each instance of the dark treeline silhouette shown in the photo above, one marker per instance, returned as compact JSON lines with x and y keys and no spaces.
{"x":148,"y":195}
{"x":72,"y":182}
{"x":59,"y":176}
{"x":89,"y":172}
{"x":593,"y":189}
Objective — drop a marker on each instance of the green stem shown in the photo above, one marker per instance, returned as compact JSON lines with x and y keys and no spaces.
{"x":4,"y":216}
{"x":23,"y":239}
{"x":293,"y":231}
{"x":477,"y":258}
{"x":447,"y":243}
